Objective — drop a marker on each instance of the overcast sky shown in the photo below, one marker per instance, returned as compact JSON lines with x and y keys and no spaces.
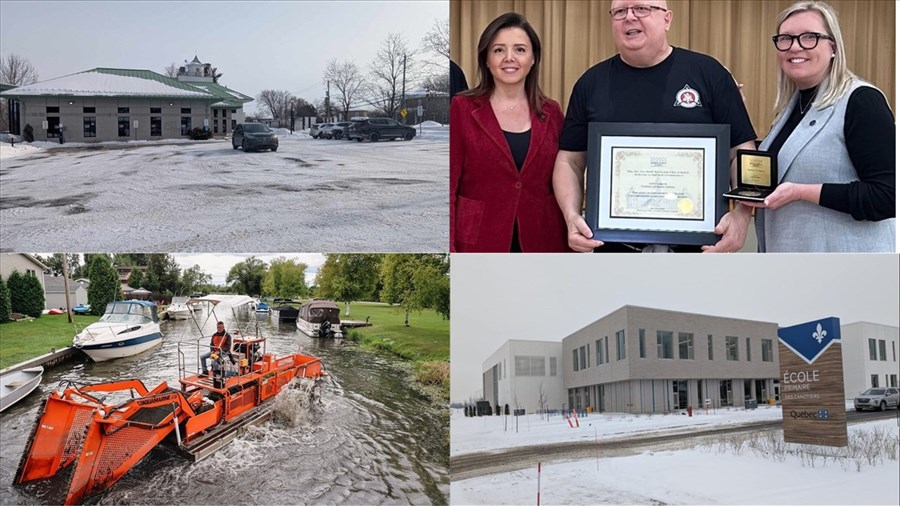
{"x":547,"y":297}
{"x":217,"y":265}
{"x":256,"y":45}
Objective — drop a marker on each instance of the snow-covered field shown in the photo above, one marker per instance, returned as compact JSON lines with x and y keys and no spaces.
{"x":309,"y":196}
{"x":713,"y":472}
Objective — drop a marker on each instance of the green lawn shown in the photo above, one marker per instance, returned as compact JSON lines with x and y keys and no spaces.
{"x":426,"y":338}
{"x":25,"y":339}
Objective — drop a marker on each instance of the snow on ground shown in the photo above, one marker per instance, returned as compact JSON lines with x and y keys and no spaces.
{"x":474,"y":434}
{"x":700,"y":475}
{"x":311,"y":195}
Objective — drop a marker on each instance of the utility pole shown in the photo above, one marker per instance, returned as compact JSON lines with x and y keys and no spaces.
{"x":328,"y":103}
{"x":66,"y":286}
{"x":403,"y":95}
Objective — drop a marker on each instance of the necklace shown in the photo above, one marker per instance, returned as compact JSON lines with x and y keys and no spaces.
{"x":809,"y":104}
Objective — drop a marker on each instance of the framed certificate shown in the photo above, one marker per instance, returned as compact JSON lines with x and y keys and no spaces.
{"x":657,"y":183}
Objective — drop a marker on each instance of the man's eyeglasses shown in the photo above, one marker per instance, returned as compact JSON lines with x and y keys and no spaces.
{"x":640,"y":11}
{"x":807,"y":40}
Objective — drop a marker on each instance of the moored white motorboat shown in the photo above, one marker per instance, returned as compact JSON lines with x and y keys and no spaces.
{"x":15,"y":385}
{"x":126,"y":328}
{"x":178,"y":309}
{"x":320,"y":318}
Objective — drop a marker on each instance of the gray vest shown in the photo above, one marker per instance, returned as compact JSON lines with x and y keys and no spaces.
{"x":816,"y":152}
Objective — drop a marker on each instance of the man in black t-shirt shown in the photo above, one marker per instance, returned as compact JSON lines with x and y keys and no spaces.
{"x":649,"y":81}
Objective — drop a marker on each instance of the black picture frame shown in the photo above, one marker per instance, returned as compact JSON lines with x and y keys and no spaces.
{"x":713,"y":139}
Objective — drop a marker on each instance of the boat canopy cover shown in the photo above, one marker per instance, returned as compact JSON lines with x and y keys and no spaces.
{"x":130,"y":311}
{"x":228,"y":300}
{"x":318,"y":311}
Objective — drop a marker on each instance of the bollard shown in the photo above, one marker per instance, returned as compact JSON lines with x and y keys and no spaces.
{"x":539,"y":485}
{"x":690,"y":411}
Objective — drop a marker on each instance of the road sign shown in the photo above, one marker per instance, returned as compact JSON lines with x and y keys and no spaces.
{"x":403,"y":112}
{"x":420,"y":111}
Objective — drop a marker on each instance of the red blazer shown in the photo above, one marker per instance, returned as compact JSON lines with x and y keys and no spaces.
{"x":487,"y":193}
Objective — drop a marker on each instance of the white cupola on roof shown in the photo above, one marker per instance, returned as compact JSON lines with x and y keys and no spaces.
{"x":196,"y":71}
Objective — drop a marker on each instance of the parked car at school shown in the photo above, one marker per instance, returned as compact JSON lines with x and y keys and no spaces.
{"x":375,"y":129}
{"x":877,"y":398}
{"x":317,"y":131}
{"x":254,"y":136}
{"x":336,"y":131}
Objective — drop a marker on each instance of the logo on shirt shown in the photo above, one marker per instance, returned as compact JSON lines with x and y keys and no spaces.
{"x":688,"y":98}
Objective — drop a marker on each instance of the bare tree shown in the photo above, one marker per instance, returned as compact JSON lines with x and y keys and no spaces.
{"x":437,"y":40}
{"x":348,"y":80}
{"x":275,"y":102}
{"x":393,"y":67}
{"x":17,"y":70}
{"x":542,"y":400}
{"x":171,"y":70}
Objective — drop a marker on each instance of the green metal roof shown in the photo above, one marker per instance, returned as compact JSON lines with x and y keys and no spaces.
{"x":5,"y":87}
{"x":146,"y":74}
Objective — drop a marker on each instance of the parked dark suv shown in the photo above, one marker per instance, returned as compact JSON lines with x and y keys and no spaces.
{"x":251,"y":136}
{"x":379,"y":128}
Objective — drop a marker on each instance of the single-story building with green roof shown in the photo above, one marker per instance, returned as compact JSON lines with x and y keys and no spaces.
{"x":105,"y":104}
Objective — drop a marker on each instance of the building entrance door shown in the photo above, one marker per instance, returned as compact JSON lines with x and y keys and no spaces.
{"x":52,"y":127}
{"x":680,"y":391}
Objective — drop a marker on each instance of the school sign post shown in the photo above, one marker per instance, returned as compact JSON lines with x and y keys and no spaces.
{"x":812,"y":383}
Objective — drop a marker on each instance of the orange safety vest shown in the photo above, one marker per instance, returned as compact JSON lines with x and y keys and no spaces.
{"x":219,"y":340}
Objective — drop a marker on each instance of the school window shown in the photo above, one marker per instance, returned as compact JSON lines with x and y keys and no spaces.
{"x":575,"y":360}
{"x":642,"y":345}
{"x":155,"y":126}
{"x":90,"y":126}
{"x":664,"y":344}
{"x":620,"y":345}
{"x":53,"y":109}
{"x":234,"y":111}
{"x":529,"y":366}
{"x":874,"y":381}
{"x":894,"y":350}
{"x":685,"y":346}
{"x":599,"y":350}
{"x":156,"y":110}
{"x":872,"y":350}
{"x":89,"y":110}
{"x":588,"y":355}
{"x":123,"y":110}
{"x":185,"y":110}
{"x":552,"y":366}
{"x":185,"y":125}
{"x":748,"y":349}
{"x":767,"y":351}
{"x":581,"y":358}
{"x":124,"y":127}
{"x":894,"y":380}
{"x":709,"y":348}
{"x":215,"y":126}
{"x":731,"y":348}
{"x":882,"y":350}
{"x":215,"y":113}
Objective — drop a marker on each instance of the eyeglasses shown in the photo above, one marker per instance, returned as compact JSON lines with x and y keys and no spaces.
{"x":640,"y":11}
{"x":806,"y":40}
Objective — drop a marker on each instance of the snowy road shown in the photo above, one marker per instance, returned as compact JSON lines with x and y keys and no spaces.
{"x":309,"y":196}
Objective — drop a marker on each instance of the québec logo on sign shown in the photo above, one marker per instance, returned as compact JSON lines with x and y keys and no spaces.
{"x":811,"y":339}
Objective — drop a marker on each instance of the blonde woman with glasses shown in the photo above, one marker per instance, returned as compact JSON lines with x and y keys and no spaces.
{"x":834,"y":138}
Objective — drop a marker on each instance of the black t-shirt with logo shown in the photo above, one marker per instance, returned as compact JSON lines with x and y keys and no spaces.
{"x":686,"y":87}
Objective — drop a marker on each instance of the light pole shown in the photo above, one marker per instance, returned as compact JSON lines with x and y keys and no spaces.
{"x":292,"y":116}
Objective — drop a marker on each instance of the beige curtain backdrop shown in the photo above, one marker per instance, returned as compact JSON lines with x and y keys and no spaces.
{"x":576,"y":34}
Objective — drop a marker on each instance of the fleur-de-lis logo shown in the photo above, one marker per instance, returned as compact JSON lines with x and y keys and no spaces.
{"x":820,"y":333}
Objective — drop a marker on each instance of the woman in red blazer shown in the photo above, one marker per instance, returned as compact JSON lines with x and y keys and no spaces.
{"x":503,"y":143}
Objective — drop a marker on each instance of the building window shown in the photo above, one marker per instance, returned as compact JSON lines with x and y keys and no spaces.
{"x":620,"y":345}
{"x":185,"y":110}
{"x":215,"y":126}
{"x":185,"y":125}
{"x":894,"y":380}
{"x":31,"y":272}
{"x":872,"y":350}
{"x":767,"y":351}
{"x":155,"y":126}
{"x":52,"y":110}
{"x":894,"y":350}
{"x":575,"y":360}
{"x":89,"y":110}
{"x":581,"y":358}
{"x":731,"y":348}
{"x":882,"y":350}
{"x":725,"y":393}
{"x":156,"y":110}
{"x":664,"y":344}
{"x":587,"y":354}
{"x":748,"y":349}
{"x":90,"y":126}
{"x":529,"y":366}
{"x":215,"y":113}
{"x":597,"y":344}
{"x":685,"y":346}
{"x":123,"y":110}
{"x":124,"y":127}
{"x":709,"y":347}
{"x":642,"y":344}
{"x":552,"y":366}
{"x":874,"y":381}
{"x":234,"y":111}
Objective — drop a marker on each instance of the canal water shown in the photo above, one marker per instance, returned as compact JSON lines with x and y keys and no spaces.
{"x":369,"y":438}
